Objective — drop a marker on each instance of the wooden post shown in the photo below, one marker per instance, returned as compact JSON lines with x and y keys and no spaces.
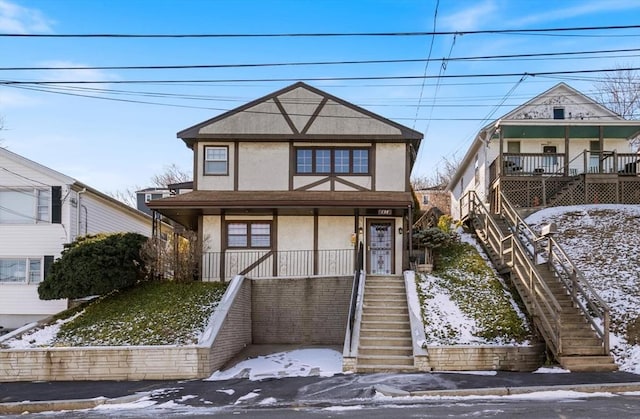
{"x":566,"y":150}
{"x":601,"y":151}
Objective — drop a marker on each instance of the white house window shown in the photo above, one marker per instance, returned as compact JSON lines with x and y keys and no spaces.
{"x":216,"y":160}
{"x":25,"y":206}
{"x":249,"y":235}
{"x":21,"y":270}
{"x":342,"y":161}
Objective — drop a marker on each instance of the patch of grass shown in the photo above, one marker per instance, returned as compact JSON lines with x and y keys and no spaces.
{"x":478,"y":293}
{"x":154,"y":313}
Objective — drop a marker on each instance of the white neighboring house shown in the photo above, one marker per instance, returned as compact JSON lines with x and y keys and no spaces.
{"x":559,"y":148}
{"x":40,"y":210}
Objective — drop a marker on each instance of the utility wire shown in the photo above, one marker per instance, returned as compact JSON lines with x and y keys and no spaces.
{"x":323,"y":34}
{"x":426,"y":66}
{"x":504,"y":57}
{"x":284,"y":79}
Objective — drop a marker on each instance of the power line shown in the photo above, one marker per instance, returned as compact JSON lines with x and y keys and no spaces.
{"x":285,"y":79}
{"x":322,"y":63}
{"x":426,"y":66}
{"x":325,"y":34}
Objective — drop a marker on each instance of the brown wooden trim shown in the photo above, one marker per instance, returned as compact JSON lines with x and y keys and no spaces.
{"x":274,"y":239}
{"x":257,"y":262}
{"x":356,"y":228}
{"x":223,"y":245}
{"x":365,"y":138}
{"x":315,"y":115}
{"x":315,"y":241}
{"x":292,"y":163}
{"x":196,"y":172}
{"x":407,"y":169}
{"x":350,"y":184}
{"x":372,"y":166}
{"x":200,"y":234}
{"x":285,"y":115}
{"x":236,"y":165}
{"x":313,"y":184}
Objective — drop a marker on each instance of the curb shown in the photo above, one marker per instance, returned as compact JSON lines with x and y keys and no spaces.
{"x":509,"y":391}
{"x":19,"y":408}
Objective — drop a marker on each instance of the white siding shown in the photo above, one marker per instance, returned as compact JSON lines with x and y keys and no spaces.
{"x":99,"y":216}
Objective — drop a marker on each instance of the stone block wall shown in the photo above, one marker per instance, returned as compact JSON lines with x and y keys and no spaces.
{"x":485,"y":358}
{"x":300,"y":310}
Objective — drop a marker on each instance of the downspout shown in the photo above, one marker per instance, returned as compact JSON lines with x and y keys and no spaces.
{"x":78,"y":214}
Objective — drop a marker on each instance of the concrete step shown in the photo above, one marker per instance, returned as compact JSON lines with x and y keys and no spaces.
{"x":386,"y":317}
{"x":371,"y":332}
{"x":399,"y":310}
{"x":406,"y":351}
{"x":385,"y":360}
{"x":602,"y":363}
{"x":369,"y":369}
{"x":388,"y":341}
{"x":385,"y":302}
{"x":385,"y":325}
{"x":384,"y":291}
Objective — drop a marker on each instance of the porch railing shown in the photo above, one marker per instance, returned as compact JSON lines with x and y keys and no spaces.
{"x":218,"y":266}
{"x":554,"y":164}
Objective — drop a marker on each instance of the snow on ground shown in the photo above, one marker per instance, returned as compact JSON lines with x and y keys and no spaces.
{"x":38,"y":337}
{"x":297,"y":363}
{"x":603,"y":240}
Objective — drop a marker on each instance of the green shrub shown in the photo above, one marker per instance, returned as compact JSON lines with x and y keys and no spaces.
{"x":95,"y":265}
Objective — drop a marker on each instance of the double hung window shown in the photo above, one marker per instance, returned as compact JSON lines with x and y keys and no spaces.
{"x":216,"y":160}
{"x":21,"y":270}
{"x":249,"y":235}
{"x":25,"y":206}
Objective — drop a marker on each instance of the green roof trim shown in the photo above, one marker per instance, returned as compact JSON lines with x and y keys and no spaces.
{"x":575,"y":131}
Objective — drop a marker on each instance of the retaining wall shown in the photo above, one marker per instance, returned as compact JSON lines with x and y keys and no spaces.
{"x":486,"y":358}
{"x":300,"y":310}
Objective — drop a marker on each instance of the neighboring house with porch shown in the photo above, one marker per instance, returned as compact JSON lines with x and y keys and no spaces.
{"x":290,"y":183}
{"x":559,"y":148}
{"x":40,"y":210}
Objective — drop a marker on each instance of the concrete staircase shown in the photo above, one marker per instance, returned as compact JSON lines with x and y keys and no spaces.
{"x":385,"y":333}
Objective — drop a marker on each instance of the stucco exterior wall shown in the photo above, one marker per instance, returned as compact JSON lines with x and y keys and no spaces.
{"x":295,"y":233}
{"x":390,"y":167}
{"x":335,"y":232}
{"x":263,"y":166}
{"x":300,"y":310}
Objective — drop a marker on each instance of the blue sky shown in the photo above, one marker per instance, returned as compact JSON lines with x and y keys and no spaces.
{"x":114,"y":145}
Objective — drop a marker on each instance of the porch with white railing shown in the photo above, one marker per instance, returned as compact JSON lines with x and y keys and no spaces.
{"x":217,"y":266}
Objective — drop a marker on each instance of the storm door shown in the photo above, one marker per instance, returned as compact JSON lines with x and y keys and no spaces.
{"x":380,"y":247}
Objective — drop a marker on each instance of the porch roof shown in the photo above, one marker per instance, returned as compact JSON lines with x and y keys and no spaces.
{"x":185,"y":208}
{"x":577,"y":128}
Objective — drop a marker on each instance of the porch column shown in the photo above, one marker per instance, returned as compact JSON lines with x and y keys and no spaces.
{"x":356,"y":245}
{"x":566,"y":150}
{"x":601,"y":138}
{"x":500,"y":167}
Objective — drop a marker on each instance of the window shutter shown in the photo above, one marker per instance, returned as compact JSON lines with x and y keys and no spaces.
{"x":48,"y":261}
{"x":56,"y":204}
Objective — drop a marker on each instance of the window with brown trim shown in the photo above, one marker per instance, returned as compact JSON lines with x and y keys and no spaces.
{"x":249,"y":235}
{"x":216,"y":160}
{"x":340,"y":161}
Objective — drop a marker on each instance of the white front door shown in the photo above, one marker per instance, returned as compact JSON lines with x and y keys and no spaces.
{"x":380,"y":246}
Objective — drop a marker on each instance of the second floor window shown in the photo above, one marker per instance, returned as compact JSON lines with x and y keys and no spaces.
{"x":216,"y":160}
{"x":346,"y":161}
{"x":25,"y":206}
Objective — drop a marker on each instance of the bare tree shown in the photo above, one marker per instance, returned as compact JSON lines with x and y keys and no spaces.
{"x":441,"y":177}
{"x":620,"y":92}
{"x":171,"y":174}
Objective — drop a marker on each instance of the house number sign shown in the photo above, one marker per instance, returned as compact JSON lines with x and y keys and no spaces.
{"x":385,"y":212}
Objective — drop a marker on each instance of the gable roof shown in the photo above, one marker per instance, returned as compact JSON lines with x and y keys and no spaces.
{"x":524,"y":118}
{"x":299,"y":111}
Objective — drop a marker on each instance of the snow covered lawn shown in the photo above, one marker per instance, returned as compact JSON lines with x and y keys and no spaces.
{"x":465,"y":302}
{"x":604,"y":242}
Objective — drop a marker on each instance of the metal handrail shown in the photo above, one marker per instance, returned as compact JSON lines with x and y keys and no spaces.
{"x":355,"y":291}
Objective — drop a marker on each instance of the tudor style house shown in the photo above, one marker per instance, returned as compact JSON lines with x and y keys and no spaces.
{"x":40,"y":210}
{"x":290,"y":183}
{"x":559,"y":148}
